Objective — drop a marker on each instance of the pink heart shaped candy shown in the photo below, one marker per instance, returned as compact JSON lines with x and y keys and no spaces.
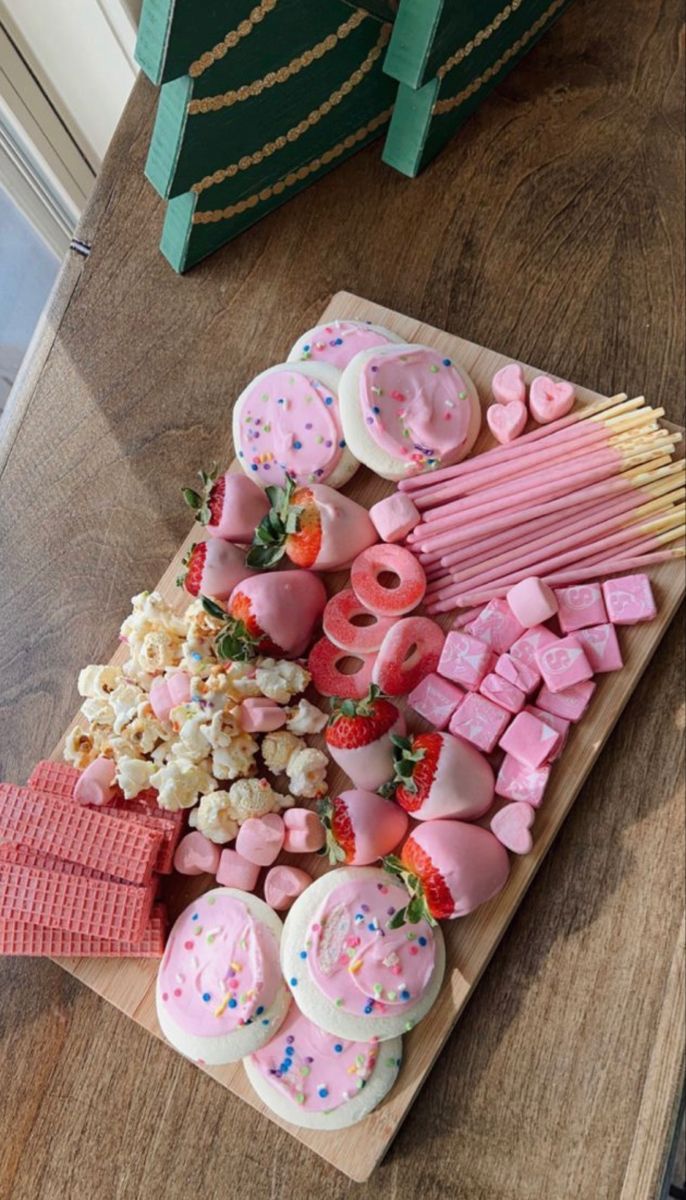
{"x":304,"y":832}
{"x":548,"y":400}
{"x":283,"y":885}
{"x":512,"y":827}
{"x":507,"y":385}
{"x":260,"y":839}
{"x":506,"y":421}
{"x":196,"y":855}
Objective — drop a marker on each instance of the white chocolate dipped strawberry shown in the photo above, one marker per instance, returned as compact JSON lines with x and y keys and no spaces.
{"x":438,"y":776}
{"x":270,"y":614}
{"x":449,"y":868}
{"x":213,"y":568}
{"x":313,"y":526}
{"x":358,"y":738}
{"x":230,"y":506}
{"x":361,"y":827}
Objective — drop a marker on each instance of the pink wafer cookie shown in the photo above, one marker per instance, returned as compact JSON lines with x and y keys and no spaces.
{"x":351,"y":626}
{"x":125,"y":849}
{"x":57,"y":778}
{"x":24,"y":856}
{"x":391,"y":599}
{"x":18,"y":938}
{"x":94,"y":907}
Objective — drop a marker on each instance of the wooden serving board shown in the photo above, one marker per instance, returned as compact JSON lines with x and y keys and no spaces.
{"x":470,"y":942}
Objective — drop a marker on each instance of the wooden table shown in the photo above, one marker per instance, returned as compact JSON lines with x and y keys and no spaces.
{"x":551,"y":230}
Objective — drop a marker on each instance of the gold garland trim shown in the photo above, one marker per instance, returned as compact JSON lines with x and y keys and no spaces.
{"x":292,"y":135}
{"x":479,"y":38}
{"x":227,"y":99}
{"x":232,"y":39}
{"x":293,"y":177}
{"x":444,"y":106}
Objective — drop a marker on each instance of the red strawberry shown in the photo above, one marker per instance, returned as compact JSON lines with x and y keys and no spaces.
{"x":314,"y":526}
{"x":359,"y":737}
{"x":303,"y":546}
{"x":213,"y":568}
{"x":230,"y":505}
{"x":438,"y":775}
{"x":194,"y":562}
{"x":270,"y":614}
{"x":360,"y":827}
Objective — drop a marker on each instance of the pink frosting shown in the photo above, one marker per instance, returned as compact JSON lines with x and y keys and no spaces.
{"x":290,"y":423}
{"x":357,"y":961}
{"x":315,"y":1069}
{"x":220,"y":969}
{"x":416,"y":405}
{"x":338,"y":342}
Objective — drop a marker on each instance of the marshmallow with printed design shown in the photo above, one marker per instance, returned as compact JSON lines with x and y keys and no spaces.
{"x":529,"y":740}
{"x":496,"y":625}
{"x":516,"y":781}
{"x":479,"y":721}
{"x":564,"y":664}
{"x":435,"y":699}
{"x":580,"y":606}
{"x":465,"y":659}
{"x":629,"y":600}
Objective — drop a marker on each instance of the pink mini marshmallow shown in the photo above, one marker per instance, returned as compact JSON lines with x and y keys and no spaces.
{"x":464,"y":659}
{"x":580,"y":606}
{"x":496,"y":625}
{"x":394,"y":517}
{"x":508,"y":385}
{"x":532,"y":602}
{"x":96,"y":784}
{"x":559,"y":724}
{"x":260,"y":715}
{"x":169,"y":692}
{"x":564,"y":664}
{"x":526,"y":647}
{"x":517,"y":782}
{"x":520,"y":673}
{"x":283,"y":885}
{"x":260,"y":839}
{"x":507,"y":695}
{"x":196,"y":855}
{"x":570,"y":704}
{"x":479,"y":721}
{"x":435,"y":699}
{"x":629,"y":600}
{"x":179,"y":685}
{"x":512,"y":827}
{"x":236,"y":872}
{"x":529,"y":740}
{"x":303,"y":831}
{"x":601,"y":648}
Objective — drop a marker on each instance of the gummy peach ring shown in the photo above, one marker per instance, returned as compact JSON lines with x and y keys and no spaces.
{"x":323,"y":664}
{"x":388,"y":599}
{"x":409,"y":652}
{"x":339,"y":624}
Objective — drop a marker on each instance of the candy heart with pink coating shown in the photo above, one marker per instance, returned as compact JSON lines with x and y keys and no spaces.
{"x":406,"y":588}
{"x":260,"y":839}
{"x":512,"y":826}
{"x":506,"y":421}
{"x":196,"y":855}
{"x":329,"y":680}
{"x":96,"y":784}
{"x":410,"y":651}
{"x":235,"y":871}
{"x":340,"y":626}
{"x":257,"y":714}
{"x":213,"y":568}
{"x":230,"y":506}
{"x":303,"y":831}
{"x":508,"y":386}
{"x":361,"y":827}
{"x":283,"y":885}
{"x":548,"y":400}
{"x":275,"y":613}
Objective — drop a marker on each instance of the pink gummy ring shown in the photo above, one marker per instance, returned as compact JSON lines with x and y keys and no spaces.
{"x":409,"y":652}
{"x":323,"y":665}
{"x":381,"y":599}
{"x":339,"y":625}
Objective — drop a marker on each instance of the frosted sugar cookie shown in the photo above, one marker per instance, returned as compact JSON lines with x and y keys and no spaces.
{"x":348,"y":970}
{"x":319,"y":1081}
{"x":287,"y":421}
{"x":219,"y":992}
{"x":407,"y":409}
{"x":339,"y":341}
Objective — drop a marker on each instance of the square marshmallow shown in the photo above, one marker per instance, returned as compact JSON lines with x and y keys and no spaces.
{"x":557,"y":723}
{"x":464,"y":659}
{"x":530,"y":741}
{"x":496,"y":625}
{"x":629,"y":600}
{"x":601,"y":648}
{"x":479,"y":721}
{"x":517,"y":782}
{"x":394,"y":517}
{"x":501,"y":692}
{"x":563,"y":664}
{"x":580,"y":606}
{"x":520,"y":673}
{"x":526,"y":648}
{"x":435,"y":699}
{"x":570,"y":704}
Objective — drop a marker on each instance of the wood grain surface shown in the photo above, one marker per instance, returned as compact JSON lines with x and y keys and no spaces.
{"x":551,"y":230}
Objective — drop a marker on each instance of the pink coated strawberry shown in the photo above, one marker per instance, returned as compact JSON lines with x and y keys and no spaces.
{"x":361,"y":827}
{"x":438,"y":775}
{"x":358,"y":738}
{"x":231,"y":506}
{"x":270,"y":614}
{"x":314,"y":526}
{"x":213,"y":569}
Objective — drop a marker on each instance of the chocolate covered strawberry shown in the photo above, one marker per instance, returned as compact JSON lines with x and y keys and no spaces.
{"x":437,"y":775}
{"x":449,"y":868}
{"x":314,"y":526}
{"x":360,"y":827}
{"x":358,"y":738}
{"x":269,"y":614}
{"x":230,"y":506}
{"x":213,"y":569}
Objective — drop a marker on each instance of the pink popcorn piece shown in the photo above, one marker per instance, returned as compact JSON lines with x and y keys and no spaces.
{"x":601,"y":648}
{"x":559,"y":724}
{"x":570,"y":704}
{"x":507,"y":695}
{"x":394,"y":517}
{"x":518,"y":782}
{"x":497,"y":626}
{"x":580,"y":606}
{"x":564,"y":664}
{"x":260,"y":839}
{"x":435,"y":699}
{"x":283,"y":885}
{"x":196,"y":855}
{"x":529,"y":740}
{"x":303,"y":831}
{"x":629,"y":600}
{"x":96,"y":784}
{"x":465,"y":659}
{"x":526,"y":648}
{"x":532,"y":602}
{"x":236,"y":872}
{"x":479,"y":721}
{"x":512,"y":827}
{"x":258,"y":715}
{"x":520,"y":673}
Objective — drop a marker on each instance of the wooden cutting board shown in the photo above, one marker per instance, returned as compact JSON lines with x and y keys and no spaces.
{"x":470,"y":942}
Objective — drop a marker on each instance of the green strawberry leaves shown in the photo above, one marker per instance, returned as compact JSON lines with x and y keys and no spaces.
{"x":332,"y":849}
{"x":269,"y":541}
{"x":233,"y":641}
{"x":199,"y":502}
{"x":416,"y":909}
{"x":405,"y":759}
{"x":356,"y":708}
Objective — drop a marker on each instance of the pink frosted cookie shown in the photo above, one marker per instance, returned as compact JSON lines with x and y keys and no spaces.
{"x":580,"y":606}
{"x":351,"y":626}
{"x":410,"y":651}
{"x":219,"y":993}
{"x":480,"y":721}
{"x":601,"y":648}
{"x":196,"y":855}
{"x":407,"y":409}
{"x":559,"y":724}
{"x":283,"y":885}
{"x":570,"y":704}
{"x":287,"y":421}
{"x":629,"y":600}
{"x":339,"y":341}
{"x":508,"y":386}
{"x":403,"y":590}
{"x":497,"y":626}
{"x":517,"y":782}
{"x":512,"y":827}
{"x":324,"y":664}
{"x":435,"y":699}
{"x":507,"y":421}
{"x":318,"y":1081}
{"x":548,"y":401}
{"x":502,"y":692}
{"x":564,"y":664}
{"x":465,"y":659}
{"x":347,"y":968}
{"x":530,"y":741}
{"x":394,"y":517}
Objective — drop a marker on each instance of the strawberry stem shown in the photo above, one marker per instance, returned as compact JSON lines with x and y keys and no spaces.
{"x":269,"y":541}
{"x":234,"y":640}
{"x":417,"y":908}
{"x":199,"y":502}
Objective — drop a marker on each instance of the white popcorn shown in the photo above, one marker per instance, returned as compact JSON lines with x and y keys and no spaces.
{"x":159,"y":651}
{"x":221,"y":729}
{"x":278,"y":748}
{"x":237,"y":760}
{"x":97,"y":683}
{"x":254,"y":798}
{"x":305,"y":718}
{"x":281,"y":680}
{"x":80,"y":747}
{"x":98,"y":712}
{"x":180,"y":783}
{"x":125,"y":700}
{"x":133,"y":776}
{"x":213,"y":817}
{"x":307,"y":773}
{"x":190,"y":722}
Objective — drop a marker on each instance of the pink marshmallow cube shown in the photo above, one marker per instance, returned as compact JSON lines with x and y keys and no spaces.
{"x":394,"y":517}
{"x":507,"y":695}
{"x":303,"y":831}
{"x":580,"y":606}
{"x":517,"y":782}
{"x":570,"y":704}
{"x":496,"y":625}
{"x":558,"y":723}
{"x":479,"y":721}
{"x":283,"y":885}
{"x":520,"y":673}
{"x":257,"y":714}
{"x":196,"y":855}
{"x":532,"y":602}
{"x":435,"y":699}
{"x":529,"y":740}
{"x":526,"y":648}
{"x":96,"y":784}
{"x":601,"y":648}
{"x":236,"y":872}
{"x":629,"y":600}
{"x":464,"y":659}
{"x":260,"y":839}
{"x":169,"y":692}
{"x":564,"y":664}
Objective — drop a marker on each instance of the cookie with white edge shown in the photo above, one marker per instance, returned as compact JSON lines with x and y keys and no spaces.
{"x":287,"y":422}
{"x":349,"y":971}
{"x":319,"y":1081}
{"x":407,"y":409}
{"x":339,"y":341}
{"x":220,"y":994}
